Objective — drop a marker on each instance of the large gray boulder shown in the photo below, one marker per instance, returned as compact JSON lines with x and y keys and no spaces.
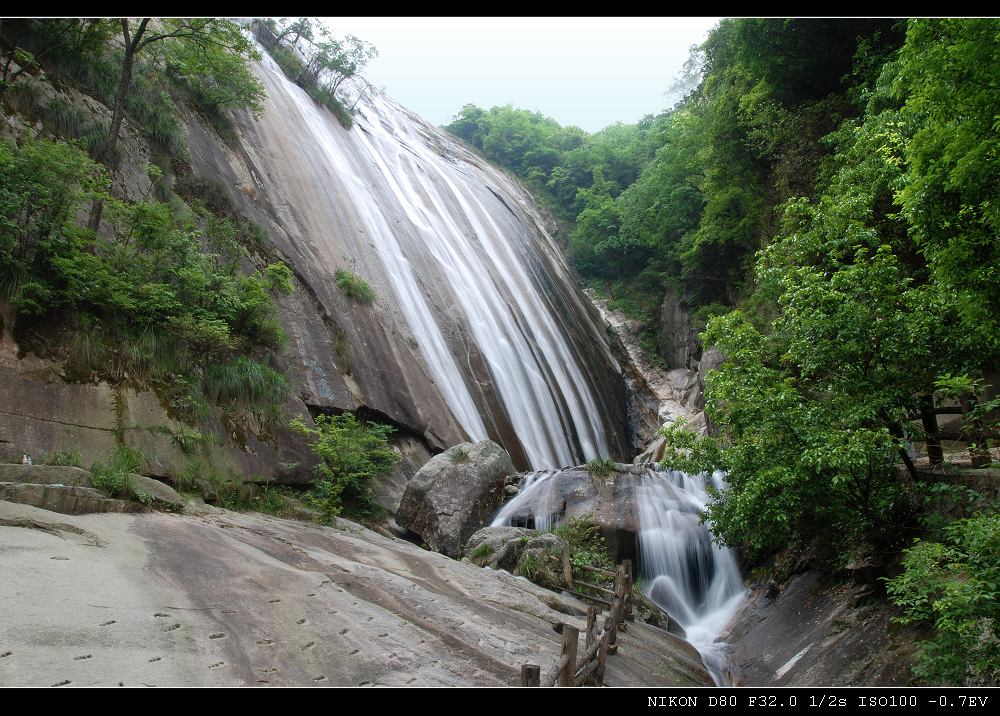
{"x":498,"y":547}
{"x":455,"y":494}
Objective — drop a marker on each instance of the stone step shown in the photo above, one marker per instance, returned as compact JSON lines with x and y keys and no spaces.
{"x":45,"y":474}
{"x":66,"y":499}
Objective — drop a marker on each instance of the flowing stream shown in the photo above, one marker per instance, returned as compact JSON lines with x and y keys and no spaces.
{"x":696,"y":582}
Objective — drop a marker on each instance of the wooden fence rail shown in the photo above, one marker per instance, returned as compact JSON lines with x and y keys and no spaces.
{"x":569,"y":670}
{"x":933,"y":435}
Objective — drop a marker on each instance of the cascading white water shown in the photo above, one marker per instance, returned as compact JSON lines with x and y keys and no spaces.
{"x":684,"y":572}
{"x":418,"y":207}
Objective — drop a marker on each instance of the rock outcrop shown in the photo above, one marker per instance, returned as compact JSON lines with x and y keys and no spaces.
{"x":816,"y":631}
{"x":248,"y":600}
{"x":679,"y":342}
{"x":541,"y":557}
{"x":498,"y":547}
{"x":455,"y":494}
{"x":575,"y":492}
{"x":69,"y":490}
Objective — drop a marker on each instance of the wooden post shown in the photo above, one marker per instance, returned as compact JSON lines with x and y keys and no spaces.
{"x":602,"y":657}
{"x":567,"y":567}
{"x":571,"y":635}
{"x":929,"y":421}
{"x":591,"y":620}
{"x":531,"y":674}
{"x":629,"y":582}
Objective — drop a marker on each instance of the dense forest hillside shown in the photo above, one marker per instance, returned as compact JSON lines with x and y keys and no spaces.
{"x":825,"y":201}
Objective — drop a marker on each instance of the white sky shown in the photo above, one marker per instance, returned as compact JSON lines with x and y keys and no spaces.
{"x":590,"y":72}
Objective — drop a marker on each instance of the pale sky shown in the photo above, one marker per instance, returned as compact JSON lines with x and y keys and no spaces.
{"x":590,"y":72}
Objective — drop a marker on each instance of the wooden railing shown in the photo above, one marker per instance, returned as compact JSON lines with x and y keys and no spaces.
{"x":570,"y":670}
{"x":975,"y":434}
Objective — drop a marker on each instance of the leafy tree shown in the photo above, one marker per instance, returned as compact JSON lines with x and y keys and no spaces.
{"x":948,"y":76}
{"x":204,"y":35}
{"x":44,"y":185}
{"x":352,"y":455}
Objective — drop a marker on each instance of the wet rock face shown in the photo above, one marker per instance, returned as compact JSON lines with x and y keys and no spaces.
{"x":679,"y":342}
{"x":577,"y":492}
{"x":817,"y":631}
{"x":455,"y":494}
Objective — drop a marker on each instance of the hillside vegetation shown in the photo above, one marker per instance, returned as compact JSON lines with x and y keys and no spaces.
{"x":825,"y":198}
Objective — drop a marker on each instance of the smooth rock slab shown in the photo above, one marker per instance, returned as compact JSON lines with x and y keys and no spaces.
{"x":245,"y":599}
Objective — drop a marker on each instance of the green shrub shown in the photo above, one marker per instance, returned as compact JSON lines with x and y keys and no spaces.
{"x":352,"y":455}
{"x":954,"y":586}
{"x":185,"y":480}
{"x":160,"y":302}
{"x":602,"y":466}
{"x":62,"y":457}
{"x":459,"y":455}
{"x":269,"y":499}
{"x":245,"y":383}
{"x":587,"y":546}
{"x":354,"y":287}
{"x":115,"y":478}
{"x":528,"y":566}
{"x":481,"y":554}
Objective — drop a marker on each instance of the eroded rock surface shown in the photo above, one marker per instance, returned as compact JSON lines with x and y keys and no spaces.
{"x":244,"y":599}
{"x":816,"y":631}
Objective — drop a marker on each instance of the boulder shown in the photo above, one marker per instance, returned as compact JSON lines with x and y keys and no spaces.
{"x":542,"y":560}
{"x":498,"y":547}
{"x":164,"y":496}
{"x":455,"y":494}
{"x":575,"y":492}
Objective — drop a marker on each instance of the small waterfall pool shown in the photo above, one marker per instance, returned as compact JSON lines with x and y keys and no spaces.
{"x":696,"y":582}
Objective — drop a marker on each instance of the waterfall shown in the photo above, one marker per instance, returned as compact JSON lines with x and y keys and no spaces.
{"x":468,"y":266}
{"x":685,"y":573}
{"x":696,"y":582}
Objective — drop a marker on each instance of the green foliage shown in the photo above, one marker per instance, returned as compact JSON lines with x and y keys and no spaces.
{"x":161,"y":302}
{"x":321,"y":63}
{"x":947,"y":73}
{"x":602,"y":467}
{"x":269,"y":499}
{"x":115,"y":478}
{"x":481,"y":554}
{"x":187,"y":439}
{"x":954,"y":585}
{"x":354,"y":287}
{"x":64,"y":457}
{"x":528,"y":566}
{"x":218,"y":77}
{"x":279,"y":277}
{"x":352,"y":455}
{"x":587,"y":546}
{"x":459,"y":455}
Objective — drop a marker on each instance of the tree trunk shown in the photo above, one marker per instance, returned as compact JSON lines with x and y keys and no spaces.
{"x":8,"y":316}
{"x":118,"y":111}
